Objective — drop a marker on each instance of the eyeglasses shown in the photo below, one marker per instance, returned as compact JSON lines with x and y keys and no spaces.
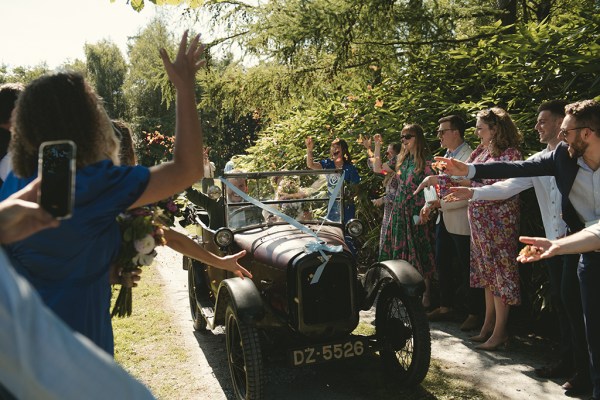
{"x":442,"y":131}
{"x":407,"y":137}
{"x":564,"y":132}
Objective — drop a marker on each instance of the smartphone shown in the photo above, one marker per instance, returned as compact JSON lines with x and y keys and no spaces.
{"x":56,"y":167}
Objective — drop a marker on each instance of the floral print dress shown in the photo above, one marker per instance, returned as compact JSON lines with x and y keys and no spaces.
{"x":388,"y":202}
{"x":400,"y":238}
{"x":495,"y":236}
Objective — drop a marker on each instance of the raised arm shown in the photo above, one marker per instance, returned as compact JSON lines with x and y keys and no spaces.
{"x":310,"y":163}
{"x":378,"y":165}
{"x":187,"y":166}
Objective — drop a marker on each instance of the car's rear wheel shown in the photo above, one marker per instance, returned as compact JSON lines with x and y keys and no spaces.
{"x":192,"y":267}
{"x":244,"y":357}
{"x":402,"y":331}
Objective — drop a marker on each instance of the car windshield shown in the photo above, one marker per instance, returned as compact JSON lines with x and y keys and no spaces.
{"x":300,"y":195}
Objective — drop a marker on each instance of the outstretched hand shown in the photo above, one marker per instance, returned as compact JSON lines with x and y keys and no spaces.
{"x":452,"y":166}
{"x":182,"y":71}
{"x":428,"y":181}
{"x":537,"y":249}
{"x":459,"y":193}
{"x":230,"y":263}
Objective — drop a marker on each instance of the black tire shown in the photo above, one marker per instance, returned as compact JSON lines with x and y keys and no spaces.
{"x":197,"y":319}
{"x":244,"y":357}
{"x":403,"y":336}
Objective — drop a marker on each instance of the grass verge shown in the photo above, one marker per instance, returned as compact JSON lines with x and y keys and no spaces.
{"x":148,"y":343}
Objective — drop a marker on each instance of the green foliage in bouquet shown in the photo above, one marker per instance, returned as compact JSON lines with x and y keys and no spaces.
{"x":141,"y":231}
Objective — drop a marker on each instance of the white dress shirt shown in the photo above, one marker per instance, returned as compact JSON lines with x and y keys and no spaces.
{"x":546,"y":191}
{"x":585,"y":193}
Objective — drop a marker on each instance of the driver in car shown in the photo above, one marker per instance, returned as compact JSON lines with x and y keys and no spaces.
{"x":238,"y":216}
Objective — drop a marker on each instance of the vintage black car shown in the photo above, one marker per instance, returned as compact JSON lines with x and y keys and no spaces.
{"x":311,"y":319}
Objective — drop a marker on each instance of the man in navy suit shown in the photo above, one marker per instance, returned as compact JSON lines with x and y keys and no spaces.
{"x":575,"y":164}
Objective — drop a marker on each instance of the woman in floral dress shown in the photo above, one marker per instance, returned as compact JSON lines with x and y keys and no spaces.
{"x":403,"y":238}
{"x":494,"y":230}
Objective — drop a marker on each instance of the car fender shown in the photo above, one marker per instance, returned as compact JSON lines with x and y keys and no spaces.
{"x":398,"y":272}
{"x":244,"y":297}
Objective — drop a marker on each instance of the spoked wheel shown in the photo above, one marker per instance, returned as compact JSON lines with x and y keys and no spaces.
{"x":402,"y":331}
{"x":244,"y":357}
{"x":193,"y":269}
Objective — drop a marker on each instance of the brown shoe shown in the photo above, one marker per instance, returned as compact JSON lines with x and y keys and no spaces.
{"x":472,"y":322}
{"x":439,"y":315}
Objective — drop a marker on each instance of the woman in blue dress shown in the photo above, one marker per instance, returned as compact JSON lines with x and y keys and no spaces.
{"x":340,"y":159}
{"x":69,"y":265}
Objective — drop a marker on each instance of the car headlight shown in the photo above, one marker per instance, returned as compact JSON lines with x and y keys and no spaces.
{"x":214,"y":192}
{"x":223,"y":237}
{"x":355,"y":228}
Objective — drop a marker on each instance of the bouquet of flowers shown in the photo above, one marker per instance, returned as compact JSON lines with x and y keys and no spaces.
{"x":141,"y":231}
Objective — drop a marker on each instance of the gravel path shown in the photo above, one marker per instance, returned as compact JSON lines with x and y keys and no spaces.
{"x":500,"y":375}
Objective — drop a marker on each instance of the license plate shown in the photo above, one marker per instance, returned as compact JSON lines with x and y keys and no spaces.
{"x":320,"y":353}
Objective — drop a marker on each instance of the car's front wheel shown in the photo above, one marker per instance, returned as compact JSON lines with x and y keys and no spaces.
{"x":244,"y":357}
{"x":402,"y":331}
{"x":193,"y":269}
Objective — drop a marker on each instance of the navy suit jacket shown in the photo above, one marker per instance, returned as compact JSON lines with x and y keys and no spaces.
{"x":557,"y":163}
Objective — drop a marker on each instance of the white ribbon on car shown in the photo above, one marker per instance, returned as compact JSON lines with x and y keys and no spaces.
{"x":311,"y":247}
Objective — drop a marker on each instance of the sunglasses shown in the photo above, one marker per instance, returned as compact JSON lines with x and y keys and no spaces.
{"x":442,"y":131}
{"x":406,"y":137}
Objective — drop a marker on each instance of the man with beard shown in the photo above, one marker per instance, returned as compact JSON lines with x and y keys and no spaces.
{"x":575,"y":163}
{"x":562,"y":270}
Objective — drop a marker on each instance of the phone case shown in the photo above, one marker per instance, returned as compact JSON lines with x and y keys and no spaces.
{"x":56,"y":168}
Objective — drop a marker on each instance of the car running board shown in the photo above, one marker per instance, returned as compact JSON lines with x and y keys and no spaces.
{"x":208,"y":313}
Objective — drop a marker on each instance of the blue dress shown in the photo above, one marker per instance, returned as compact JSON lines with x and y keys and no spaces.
{"x":69,"y":265}
{"x":351,"y":176}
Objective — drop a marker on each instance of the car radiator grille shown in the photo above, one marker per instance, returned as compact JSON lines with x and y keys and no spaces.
{"x":330,"y":299}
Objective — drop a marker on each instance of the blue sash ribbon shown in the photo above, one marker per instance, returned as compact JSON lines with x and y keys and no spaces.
{"x":311,"y":247}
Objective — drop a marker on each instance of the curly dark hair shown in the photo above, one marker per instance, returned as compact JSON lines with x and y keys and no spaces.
{"x":61,"y":106}
{"x":505,"y":133}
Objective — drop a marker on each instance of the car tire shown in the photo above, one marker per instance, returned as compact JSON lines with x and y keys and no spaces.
{"x":244,"y":357}
{"x":402,"y":332}
{"x":197,"y":319}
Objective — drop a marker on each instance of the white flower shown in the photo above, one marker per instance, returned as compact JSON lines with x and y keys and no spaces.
{"x":144,"y":259}
{"x":144,"y":245}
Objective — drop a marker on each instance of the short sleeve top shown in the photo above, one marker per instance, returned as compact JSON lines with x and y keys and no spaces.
{"x":69,"y":265}
{"x":351,"y":175}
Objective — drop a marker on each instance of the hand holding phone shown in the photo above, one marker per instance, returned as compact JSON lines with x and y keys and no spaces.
{"x":56,"y":167}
